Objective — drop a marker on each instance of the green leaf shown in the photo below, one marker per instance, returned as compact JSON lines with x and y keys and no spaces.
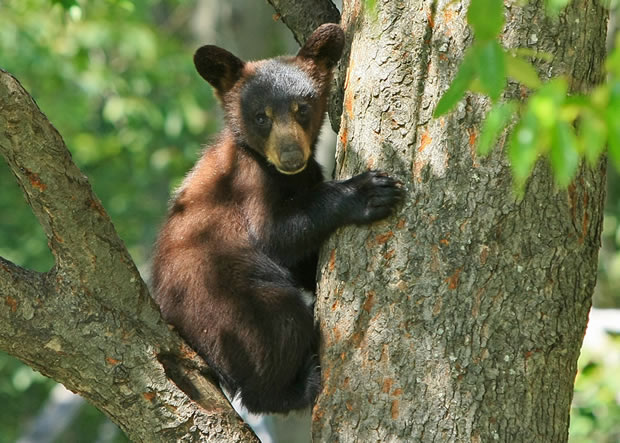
{"x":546,"y":103}
{"x":66,"y":4}
{"x":613,"y":60}
{"x":370,"y":6}
{"x":492,"y":68}
{"x":497,"y":119}
{"x":457,"y":88}
{"x":522,"y":151}
{"x":486,"y":17}
{"x":529,"y":52}
{"x":563,"y":155}
{"x":613,"y":123}
{"x":522,"y":71}
{"x":555,"y":6}
{"x":592,"y":136}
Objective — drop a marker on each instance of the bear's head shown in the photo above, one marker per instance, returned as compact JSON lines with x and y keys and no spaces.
{"x":276,"y":106}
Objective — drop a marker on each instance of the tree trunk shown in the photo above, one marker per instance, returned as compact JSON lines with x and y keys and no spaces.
{"x":461,"y":317}
{"x":458,"y":319}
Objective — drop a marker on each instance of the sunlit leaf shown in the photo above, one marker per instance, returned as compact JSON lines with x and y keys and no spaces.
{"x":492,"y":69}
{"x":613,"y":60}
{"x":547,"y":101}
{"x":592,"y":136}
{"x":555,"y":6}
{"x":613,"y":123}
{"x":563,"y":154}
{"x":66,"y":4}
{"x":497,"y":119}
{"x":569,"y":112}
{"x":486,"y":17}
{"x":529,"y":52}
{"x":522,"y":71}
{"x":457,"y":88}
{"x":522,"y":151}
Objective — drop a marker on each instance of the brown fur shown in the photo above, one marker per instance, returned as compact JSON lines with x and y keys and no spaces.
{"x":241,"y":240}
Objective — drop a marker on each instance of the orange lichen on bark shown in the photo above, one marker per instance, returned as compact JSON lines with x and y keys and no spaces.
{"x":349,"y":406}
{"x":383,"y":238}
{"x":387,"y":385}
{"x":317,"y":414}
{"x":437,"y":307}
{"x":112,"y":361}
{"x":484,"y":253}
{"x":335,"y":305}
{"x":401,"y":223}
{"x":148,"y":396}
{"x":57,"y":237}
{"x":356,"y":339}
{"x":96,"y":205}
{"x":425,"y":141}
{"x":35,"y":180}
{"x":417,"y":169}
{"x":343,"y":137}
{"x":187,"y":352}
{"x":394,"y":409}
{"x":11,"y":303}
{"x":453,"y":280}
{"x":473,"y":135}
{"x":348,"y":93}
{"x":332,"y":261}
{"x":348,"y":103}
{"x":336,"y":334}
{"x":429,"y":17}
{"x":370,"y":302}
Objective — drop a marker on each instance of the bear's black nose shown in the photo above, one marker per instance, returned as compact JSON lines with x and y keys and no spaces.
{"x":291,"y":158}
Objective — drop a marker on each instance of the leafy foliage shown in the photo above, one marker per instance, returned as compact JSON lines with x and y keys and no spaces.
{"x":551,"y":122}
{"x":116,"y":78}
{"x":596,"y":405}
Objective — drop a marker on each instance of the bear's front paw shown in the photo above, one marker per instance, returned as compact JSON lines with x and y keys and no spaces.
{"x":376,"y":195}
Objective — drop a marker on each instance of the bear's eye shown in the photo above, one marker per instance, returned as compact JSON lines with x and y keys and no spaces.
{"x":261,"y":119}
{"x":303,"y":110}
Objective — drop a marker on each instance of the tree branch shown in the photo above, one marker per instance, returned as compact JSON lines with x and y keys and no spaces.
{"x":101,"y":337}
{"x":303,"y":17}
{"x":77,"y":227}
{"x":17,"y":282}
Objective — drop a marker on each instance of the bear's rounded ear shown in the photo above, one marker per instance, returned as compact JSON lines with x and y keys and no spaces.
{"x":324,"y":45}
{"x":218,"y":66}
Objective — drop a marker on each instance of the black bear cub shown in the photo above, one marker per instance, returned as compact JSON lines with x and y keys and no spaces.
{"x":237,"y":255}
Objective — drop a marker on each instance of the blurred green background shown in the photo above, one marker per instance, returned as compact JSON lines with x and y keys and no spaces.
{"x":116,"y":79}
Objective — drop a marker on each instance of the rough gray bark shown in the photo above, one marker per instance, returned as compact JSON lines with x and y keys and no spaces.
{"x":461,"y":317}
{"x":89,"y":322}
{"x":458,"y":319}
{"x":304,"y":17}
